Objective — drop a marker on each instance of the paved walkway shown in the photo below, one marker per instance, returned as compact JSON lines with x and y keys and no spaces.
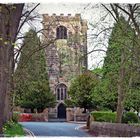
{"x":55,"y":129}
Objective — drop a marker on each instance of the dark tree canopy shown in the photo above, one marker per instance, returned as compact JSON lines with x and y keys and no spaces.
{"x":121,"y":39}
{"x":32,"y":86}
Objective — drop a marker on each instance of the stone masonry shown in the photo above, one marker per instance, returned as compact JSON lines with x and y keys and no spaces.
{"x":65,"y":38}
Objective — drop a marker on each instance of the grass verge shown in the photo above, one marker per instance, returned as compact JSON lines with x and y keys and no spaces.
{"x":12,"y":129}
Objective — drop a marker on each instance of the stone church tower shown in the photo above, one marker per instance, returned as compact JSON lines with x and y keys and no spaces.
{"x":65,"y":38}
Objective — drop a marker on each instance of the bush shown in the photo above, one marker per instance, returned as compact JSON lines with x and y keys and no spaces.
{"x":11,"y":129}
{"x":101,"y":116}
{"x":130,"y":117}
{"x":15,"y":117}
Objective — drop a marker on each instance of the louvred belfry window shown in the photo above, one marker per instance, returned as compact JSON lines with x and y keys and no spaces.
{"x":61,"y":32}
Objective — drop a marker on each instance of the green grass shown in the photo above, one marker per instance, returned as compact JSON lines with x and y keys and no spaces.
{"x":12,"y":129}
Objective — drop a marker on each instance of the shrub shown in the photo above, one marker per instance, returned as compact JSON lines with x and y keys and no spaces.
{"x":15,"y":117}
{"x":101,"y":116}
{"x":11,"y":129}
{"x":130,"y":117}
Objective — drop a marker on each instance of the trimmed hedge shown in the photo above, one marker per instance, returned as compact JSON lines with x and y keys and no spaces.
{"x":101,"y":116}
{"x":130,"y":117}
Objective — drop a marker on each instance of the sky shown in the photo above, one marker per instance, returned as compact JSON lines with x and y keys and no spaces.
{"x":73,"y":1}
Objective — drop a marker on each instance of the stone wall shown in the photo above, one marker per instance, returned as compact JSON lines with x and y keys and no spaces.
{"x":114,"y":129}
{"x":35,"y":117}
{"x":70,"y":114}
{"x":39,"y":117}
{"x":76,"y":114}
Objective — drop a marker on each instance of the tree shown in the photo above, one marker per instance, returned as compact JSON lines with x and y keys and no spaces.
{"x":103,"y":96}
{"x":117,"y":64}
{"x":80,"y":90}
{"x":133,"y":100}
{"x":98,"y":72}
{"x":8,"y":33}
{"x":38,"y":97}
{"x":131,"y":14}
{"x":32,"y":86}
{"x":133,"y":96}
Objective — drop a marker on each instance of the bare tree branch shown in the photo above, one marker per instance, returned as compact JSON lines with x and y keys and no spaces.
{"x":28,"y":14}
{"x":109,"y":11}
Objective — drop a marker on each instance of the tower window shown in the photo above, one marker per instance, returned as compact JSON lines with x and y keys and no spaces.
{"x":62,"y":96}
{"x":58,"y":94}
{"x":61,"y":92}
{"x":61,"y":32}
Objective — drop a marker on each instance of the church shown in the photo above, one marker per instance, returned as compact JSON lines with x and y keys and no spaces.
{"x":65,"y":38}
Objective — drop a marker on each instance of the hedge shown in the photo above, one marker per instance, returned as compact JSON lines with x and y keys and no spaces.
{"x":101,"y":116}
{"x":130,"y":117}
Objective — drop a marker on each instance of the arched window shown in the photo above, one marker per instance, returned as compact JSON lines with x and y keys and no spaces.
{"x":61,"y":32}
{"x":65,"y":95}
{"x":62,"y":96}
{"x":61,"y":92}
{"x":58,"y":94}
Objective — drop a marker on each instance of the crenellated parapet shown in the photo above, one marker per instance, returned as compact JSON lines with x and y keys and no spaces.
{"x":72,"y":23}
{"x":62,"y":17}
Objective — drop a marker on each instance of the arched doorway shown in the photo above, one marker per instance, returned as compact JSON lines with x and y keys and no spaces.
{"x":61,"y":111}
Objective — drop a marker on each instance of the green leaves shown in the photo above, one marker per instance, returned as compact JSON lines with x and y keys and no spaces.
{"x":81,"y":89}
{"x":32,"y":86}
{"x":121,"y":39}
{"x":39,"y":96}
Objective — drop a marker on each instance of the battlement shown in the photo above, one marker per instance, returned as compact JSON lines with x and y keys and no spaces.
{"x":62,"y":17}
{"x":71,"y":22}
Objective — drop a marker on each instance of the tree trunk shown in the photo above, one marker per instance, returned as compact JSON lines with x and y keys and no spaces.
{"x":9,"y":22}
{"x":3,"y":82}
{"x":121,"y":88}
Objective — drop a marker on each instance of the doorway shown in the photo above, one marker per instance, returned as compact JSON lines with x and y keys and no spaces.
{"x":61,"y":112}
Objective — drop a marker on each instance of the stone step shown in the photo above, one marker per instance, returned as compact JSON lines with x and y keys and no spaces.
{"x":52,"y":115}
{"x":57,"y":120}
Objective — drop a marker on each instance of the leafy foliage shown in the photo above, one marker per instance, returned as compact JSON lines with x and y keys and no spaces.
{"x":98,"y":71}
{"x":101,"y":96}
{"x":12,"y":129}
{"x":80,"y":90}
{"x":121,"y":40}
{"x":133,"y":95}
{"x":130,"y":117}
{"x":102,"y":116}
{"x":32,"y":86}
{"x":39,"y":96}
{"x":133,"y":100}
{"x":15,"y":117}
